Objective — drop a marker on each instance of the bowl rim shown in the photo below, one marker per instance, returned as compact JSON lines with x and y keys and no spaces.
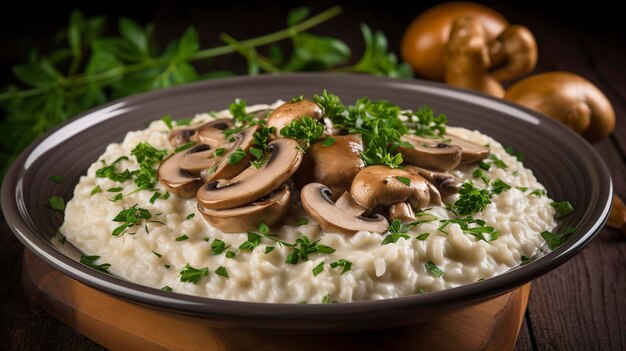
{"x":195,"y":305}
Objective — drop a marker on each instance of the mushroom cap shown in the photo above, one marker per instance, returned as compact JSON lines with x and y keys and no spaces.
{"x":180,"y":136}
{"x":380,"y":186}
{"x":470,"y":152}
{"x":222,"y":169}
{"x":334,"y":166}
{"x":430,"y":153}
{"x":568,"y":98}
{"x":292,"y":110}
{"x":253,"y":183}
{"x":513,"y":53}
{"x":269,"y":210}
{"x":175,"y":179}
{"x":446,"y":183}
{"x":316,"y":200}
{"x":423,"y":43}
{"x":467,"y":58}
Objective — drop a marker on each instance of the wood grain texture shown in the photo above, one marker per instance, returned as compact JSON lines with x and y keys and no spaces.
{"x":578,"y":306}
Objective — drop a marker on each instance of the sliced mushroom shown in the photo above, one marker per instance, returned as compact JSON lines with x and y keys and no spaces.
{"x":334,"y":165}
{"x":470,"y":152}
{"x":383,"y":186}
{"x":269,"y":210}
{"x":401,"y":211}
{"x":446,"y":183}
{"x":175,"y":179}
{"x":347,"y":219}
{"x":430,"y":153}
{"x":182,"y":136}
{"x":284,"y":114}
{"x":253,"y":183}
{"x":223,"y":168}
{"x":197,"y":159}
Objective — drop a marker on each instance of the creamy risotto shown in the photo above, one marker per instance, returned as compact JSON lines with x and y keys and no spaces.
{"x":158,"y":239}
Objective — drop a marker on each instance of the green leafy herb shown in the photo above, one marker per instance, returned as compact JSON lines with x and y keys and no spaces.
{"x":96,"y":190}
{"x":423,"y":217}
{"x":221,"y":271}
{"x":318,"y":269}
{"x":57,"y":179}
{"x":190,"y":216}
{"x":90,"y":262}
{"x":168,"y":121}
{"x":193,"y":275}
{"x":478,"y":173}
{"x":347,"y":265}
{"x":326,"y":299}
{"x":396,"y":231}
{"x":563,"y":208}
{"x":303,"y":247}
{"x":230,"y":254}
{"x":425,"y":124}
{"x":269,"y":249}
{"x":404,"y":180}
{"x":186,"y":146}
{"x":157,"y":254}
{"x":236,"y":156}
{"x":253,"y":241}
{"x":117,"y":197}
{"x":167,"y":288}
{"x":116,"y":189}
{"x":183,"y":122}
{"x":330,"y":104}
{"x":522,"y":188}
{"x":476,"y":227}
{"x":538,"y":192}
{"x":498,"y":186}
{"x":165,"y":196}
{"x":433,"y":269}
{"x":329,"y":141}
{"x":56,"y":203}
{"x":218,"y":246}
{"x":111,"y":172}
{"x":297,"y":98}
{"x":261,"y":139}
{"x":305,"y":130}
{"x":520,"y":156}
{"x":219,"y":151}
{"x":526,"y":260}
{"x":238,"y":111}
{"x":496,"y":161}
{"x":182,"y":238}
{"x":472,"y":200}
{"x":423,"y":236}
{"x":302,"y":221}
{"x":154,"y":197}
{"x":167,"y":266}
{"x":555,"y":240}
{"x":130,"y":217}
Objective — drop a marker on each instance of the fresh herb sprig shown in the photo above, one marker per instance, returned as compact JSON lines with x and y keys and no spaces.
{"x":306,"y":130}
{"x":90,"y":262}
{"x":130,"y":217}
{"x":472,"y":200}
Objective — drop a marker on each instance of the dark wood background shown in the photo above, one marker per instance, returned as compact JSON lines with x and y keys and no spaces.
{"x":580,"y":306}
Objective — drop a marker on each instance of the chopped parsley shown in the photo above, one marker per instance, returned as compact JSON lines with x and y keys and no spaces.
{"x":117,"y":197}
{"x":167,"y":288}
{"x":472,"y":200}
{"x":302,"y":221}
{"x":221,"y":271}
{"x":193,"y":275}
{"x":269,"y":249}
{"x":520,"y":156}
{"x":563,"y":208}
{"x":303,"y":247}
{"x":116,"y":189}
{"x":433,"y":269}
{"x":475,"y":227}
{"x":422,"y":236}
{"x":168,"y":121}
{"x":496,"y":161}
{"x":238,"y":111}
{"x":230,"y":254}
{"x":253,"y":241}
{"x":96,"y":190}
{"x":57,"y":179}
{"x":111,"y":172}
{"x":326,"y":299}
{"x":90,"y":262}
{"x":190,"y":216}
{"x":185,"y":146}
{"x":154,"y":197}
{"x":347,"y":265}
{"x":147,"y":156}
{"x":157,"y":254}
{"x":218,"y":246}
{"x":526,"y":260}
{"x":318,"y":269}
{"x":396,"y":231}
{"x":329,"y":141}
{"x":56,"y":203}
{"x":426,"y":124}
{"x":406,"y":181}
{"x":182,"y":238}
{"x":220,"y":151}
{"x":297,"y":98}
{"x":538,"y":192}
{"x":555,"y":240}
{"x":130,"y":217}
{"x":423,"y":217}
{"x":236,"y":156}
{"x":498,"y":186}
{"x":330,"y":104}
{"x":261,"y":139}
{"x":478,"y":173}
{"x":306,"y":130}
{"x":522,"y":188}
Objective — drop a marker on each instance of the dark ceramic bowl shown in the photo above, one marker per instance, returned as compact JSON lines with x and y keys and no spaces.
{"x":561,"y":160}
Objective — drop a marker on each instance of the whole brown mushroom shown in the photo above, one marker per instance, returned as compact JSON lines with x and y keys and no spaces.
{"x":568,"y":98}
{"x":423,"y":43}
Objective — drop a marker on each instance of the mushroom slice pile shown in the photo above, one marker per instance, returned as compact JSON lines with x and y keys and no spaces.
{"x":223,"y":168}
{"x":284,"y":114}
{"x":269,"y":210}
{"x":253,"y":183}
{"x":430,"y":153}
{"x":344,"y":216}
{"x":181,"y":136}
{"x":177,"y":180}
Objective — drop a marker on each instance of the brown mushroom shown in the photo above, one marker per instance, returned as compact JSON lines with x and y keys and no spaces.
{"x":568,"y":98}
{"x":467,"y":58}
{"x":284,"y":114}
{"x":378,"y":185}
{"x":197,"y":159}
{"x":430,"y":153}
{"x":513,"y":53}
{"x":253,"y":183}
{"x":446,"y":183}
{"x":182,"y":136}
{"x":401,"y":211}
{"x":334,"y":165}
{"x":225,"y":167}
{"x":175,"y":179}
{"x":268,"y":210}
{"x":423,"y":43}
{"x":344,"y":216}
{"x":470,"y":152}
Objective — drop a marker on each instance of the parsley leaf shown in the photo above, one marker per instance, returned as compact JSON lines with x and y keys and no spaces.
{"x":425,"y":124}
{"x":182,"y":238}
{"x":396,"y":231}
{"x":193,"y":275}
{"x":221,"y":271}
{"x":432,"y":268}
{"x":236,"y":156}
{"x":329,"y":141}
{"x":555,"y":240}
{"x":347,"y":265}
{"x":404,"y":180}
{"x":306,"y":130}
{"x":130,"y":217}
{"x":472,"y":200}
{"x":330,"y":104}
{"x":218,"y":246}
{"x":318,"y":269}
{"x":563,"y":208}
{"x":56,"y":203}
{"x":57,"y":179}
{"x":90,"y":262}
{"x":498,"y":186}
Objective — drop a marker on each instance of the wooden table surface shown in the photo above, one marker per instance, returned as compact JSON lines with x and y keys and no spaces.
{"x":581,"y":305}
